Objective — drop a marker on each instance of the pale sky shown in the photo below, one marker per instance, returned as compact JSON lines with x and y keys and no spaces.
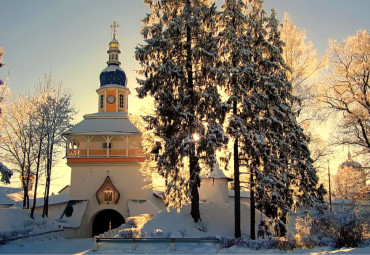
{"x":70,"y":38}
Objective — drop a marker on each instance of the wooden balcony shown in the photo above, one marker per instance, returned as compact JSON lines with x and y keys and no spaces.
{"x":100,"y":149}
{"x":82,"y":153}
{"x":104,"y":156}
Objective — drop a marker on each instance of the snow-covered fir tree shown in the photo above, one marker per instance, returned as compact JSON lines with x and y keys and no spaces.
{"x":263,"y":126}
{"x":178,"y":63}
{"x":235,"y":56}
{"x":286,"y":178}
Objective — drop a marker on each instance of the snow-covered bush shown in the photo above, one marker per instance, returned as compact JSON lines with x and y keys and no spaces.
{"x":129,"y":233}
{"x":157,"y":233}
{"x":344,"y":227}
{"x":271,"y":243}
{"x":182,"y":232}
{"x":138,"y":221}
{"x":132,"y":228}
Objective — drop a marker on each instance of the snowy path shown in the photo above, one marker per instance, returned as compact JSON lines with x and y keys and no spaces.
{"x":60,"y":245}
{"x":57,"y":245}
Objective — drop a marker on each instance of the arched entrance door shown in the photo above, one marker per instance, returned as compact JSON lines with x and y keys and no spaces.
{"x":106,"y":220}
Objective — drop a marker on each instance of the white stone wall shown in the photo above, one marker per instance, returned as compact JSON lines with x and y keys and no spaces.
{"x":214,"y":190}
{"x":87,"y":179}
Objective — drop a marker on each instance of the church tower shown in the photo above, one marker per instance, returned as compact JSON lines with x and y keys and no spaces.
{"x":104,"y":153}
{"x":113,"y":92}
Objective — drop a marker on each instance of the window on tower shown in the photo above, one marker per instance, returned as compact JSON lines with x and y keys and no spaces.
{"x":120,"y":100}
{"x":101,"y":101}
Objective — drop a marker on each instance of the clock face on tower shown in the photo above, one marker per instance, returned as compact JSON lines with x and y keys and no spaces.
{"x":111,"y":99}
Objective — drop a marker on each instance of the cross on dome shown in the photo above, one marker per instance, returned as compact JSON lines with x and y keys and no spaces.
{"x":114,"y":28}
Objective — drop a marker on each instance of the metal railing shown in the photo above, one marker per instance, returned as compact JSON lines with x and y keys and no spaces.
{"x":172,"y":241}
{"x":83,"y":153}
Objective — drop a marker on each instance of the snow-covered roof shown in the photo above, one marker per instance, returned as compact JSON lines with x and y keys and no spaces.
{"x":216,"y":173}
{"x":72,"y":215}
{"x":137,"y":207}
{"x":104,"y":124}
{"x":64,"y":190}
{"x":5,"y":199}
{"x":158,"y":193}
{"x":53,"y":200}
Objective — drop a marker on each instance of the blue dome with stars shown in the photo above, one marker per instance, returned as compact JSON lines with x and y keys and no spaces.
{"x":113,"y":75}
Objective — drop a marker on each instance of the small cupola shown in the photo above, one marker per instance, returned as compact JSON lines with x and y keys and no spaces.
{"x":113,"y":92}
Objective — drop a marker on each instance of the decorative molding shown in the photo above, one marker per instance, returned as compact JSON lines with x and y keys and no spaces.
{"x":107,"y":193}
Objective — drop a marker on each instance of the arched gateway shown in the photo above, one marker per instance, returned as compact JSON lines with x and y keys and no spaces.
{"x":106,"y":220}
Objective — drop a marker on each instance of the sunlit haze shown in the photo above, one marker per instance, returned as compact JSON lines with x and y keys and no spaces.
{"x":70,"y":39}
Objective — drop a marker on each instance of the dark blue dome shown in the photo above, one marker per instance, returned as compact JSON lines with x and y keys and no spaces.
{"x":113,"y":75}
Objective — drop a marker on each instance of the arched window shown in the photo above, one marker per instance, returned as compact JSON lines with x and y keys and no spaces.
{"x":102,"y":101}
{"x":120,"y":100}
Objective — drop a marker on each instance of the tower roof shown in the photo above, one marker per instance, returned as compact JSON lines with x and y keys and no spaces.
{"x":216,"y":173}
{"x":113,"y":73}
{"x":104,"y":124}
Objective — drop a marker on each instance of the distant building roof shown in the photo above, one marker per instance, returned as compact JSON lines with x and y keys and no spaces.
{"x":350,"y":163}
{"x":5,"y":195}
{"x":53,"y":200}
{"x":64,"y":190}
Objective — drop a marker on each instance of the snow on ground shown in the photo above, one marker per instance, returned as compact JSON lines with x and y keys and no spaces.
{"x":115,"y":248}
{"x":16,"y":222}
{"x":54,"y":244}
{"x":58,"y":245}
{"x":169,"y":222}
{"x":217,"y":220}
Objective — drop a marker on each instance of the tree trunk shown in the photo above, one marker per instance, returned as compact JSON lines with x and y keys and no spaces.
{"x":49,"y":154}
{"x":36,"y":178}
{"x":194,"y":179}
{"x":26,"y":198}
{"x":194,"y":182}
{"x":252,"y":207}
{"x":237,"y":232}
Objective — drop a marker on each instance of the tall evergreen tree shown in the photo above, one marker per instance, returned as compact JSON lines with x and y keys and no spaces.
{"x":287,"y":178}
{"x":263,"y":124}
{"x":178,"y":62}
{"x":235,"y":58}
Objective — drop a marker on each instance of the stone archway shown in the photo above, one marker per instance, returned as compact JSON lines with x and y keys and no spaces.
{"x":106,"y":220}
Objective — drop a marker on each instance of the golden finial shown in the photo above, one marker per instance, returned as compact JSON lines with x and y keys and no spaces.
{"x":114,"y":27}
